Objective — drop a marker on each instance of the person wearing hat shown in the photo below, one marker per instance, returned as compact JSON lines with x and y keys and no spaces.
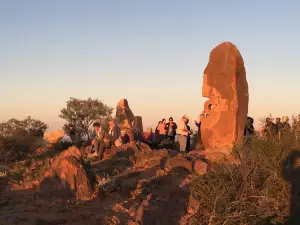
{"x":183,"y":133}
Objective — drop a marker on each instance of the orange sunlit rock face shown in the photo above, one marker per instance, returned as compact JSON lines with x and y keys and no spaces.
{"x":125,"y":117}
{"x":225,"y":85}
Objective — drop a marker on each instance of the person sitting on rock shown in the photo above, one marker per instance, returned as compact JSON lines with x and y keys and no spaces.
{"x":124,"y":137}
{"x":114,"y":133}
{"x":137,"y":135}
{"x":149,"y":136}
{"x":171,"y":130}
{"x":100,"y":142}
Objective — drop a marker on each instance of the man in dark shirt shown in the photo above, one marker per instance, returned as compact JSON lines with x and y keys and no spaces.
{"x":171,"y":129}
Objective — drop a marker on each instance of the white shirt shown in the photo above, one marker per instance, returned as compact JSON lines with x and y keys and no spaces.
{"x":181,"y":126}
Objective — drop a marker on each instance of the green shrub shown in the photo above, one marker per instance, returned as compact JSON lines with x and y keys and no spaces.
{"x":18,"y":138}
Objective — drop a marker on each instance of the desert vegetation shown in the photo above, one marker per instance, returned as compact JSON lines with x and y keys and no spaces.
{"x":138,"y":185}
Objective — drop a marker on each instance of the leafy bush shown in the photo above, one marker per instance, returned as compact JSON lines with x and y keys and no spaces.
{"x":20,"y":137}
{"x":253,"y":192}
{"x":80,"y":115}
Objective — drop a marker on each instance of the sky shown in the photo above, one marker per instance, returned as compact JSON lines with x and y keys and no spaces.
{"x":151,"y":52}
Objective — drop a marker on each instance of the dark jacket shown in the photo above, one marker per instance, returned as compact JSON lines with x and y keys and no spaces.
{"x":198,"y":125}
{"x":116,"y":132}
{"x":173,"y":132}
{"x":249,"y":129}
{"x":125,"y":139}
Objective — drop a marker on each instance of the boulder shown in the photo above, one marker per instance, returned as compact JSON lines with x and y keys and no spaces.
{"x":66,"y":177}
{"x":193,"y":205}
{"x":125,"y":117}
{"x":54,"y":136}
{"x":178,"y":162}
{"x":200,"y":167}
{"x":225,"y":85}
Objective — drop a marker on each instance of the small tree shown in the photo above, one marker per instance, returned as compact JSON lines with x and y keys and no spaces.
{"x":20,"y":137}
{"x":80,"y":114}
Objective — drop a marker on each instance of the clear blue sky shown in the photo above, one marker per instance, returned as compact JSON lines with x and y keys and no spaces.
{"x":151,"y":52}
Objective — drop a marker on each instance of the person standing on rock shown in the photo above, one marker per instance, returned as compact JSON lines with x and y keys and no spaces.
{"x":286,"y":127}
{"x":249,"y":130}
{"x":279,"y":126}
{"x":198,"y":125}
{"x":182,"y":133}
{"x":188,"y":141}
{"x":171,"y":130}
{"x":100,"y":142}
{"x":161,"y":130}
{"x":270,"y":130}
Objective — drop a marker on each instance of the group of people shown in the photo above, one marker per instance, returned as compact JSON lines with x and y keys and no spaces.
{"x":108,"y":139}
{"x":167,"y":131}
{"x":279,"y":129}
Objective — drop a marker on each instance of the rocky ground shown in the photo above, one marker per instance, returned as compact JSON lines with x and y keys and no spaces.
{"x":132,"y":185}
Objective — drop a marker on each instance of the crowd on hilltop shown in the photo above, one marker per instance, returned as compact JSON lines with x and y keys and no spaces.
{"x":180,"y":132}
{"x":279,"y":129}
{"x":165,"y":132}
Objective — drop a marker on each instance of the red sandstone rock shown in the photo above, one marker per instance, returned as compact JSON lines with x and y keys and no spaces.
{"x":67,"y":174}
{"x":200,"y":167}
{"x":193,"y":205}
{"x":54,"y":136}
{"x":225,"y":84}
{"x":178,"y":162}
{"x":125,"y":117}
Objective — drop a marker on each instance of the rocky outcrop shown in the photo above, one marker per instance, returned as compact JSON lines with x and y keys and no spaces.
{"x":66,"y":177}
{"x":125,"y":117}
{"x":54,"y":136}
{"x":225,"y":84}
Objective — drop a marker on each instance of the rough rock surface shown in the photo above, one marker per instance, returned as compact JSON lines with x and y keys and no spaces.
{"x":125,"y":117}
{"x":54,"y":136}
{"x":138,"y":124}
{"x":225,"y":84}
{"x":131,"y":186}
{"x":67,"y":176}
{"x":200,"y":167}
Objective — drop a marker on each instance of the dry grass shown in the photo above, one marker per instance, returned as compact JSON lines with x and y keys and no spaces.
{"x":254,"y":192}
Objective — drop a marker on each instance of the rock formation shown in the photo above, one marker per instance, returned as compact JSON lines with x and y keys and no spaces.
{"x":124,"y":117}
{"x":66,"y":177}
{"x":225,"y":84}
{"x":138,"y":124}
{"x":54,"y":136}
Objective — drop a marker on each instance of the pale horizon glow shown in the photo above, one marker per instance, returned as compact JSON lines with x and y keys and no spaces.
{"x":152,"y":53}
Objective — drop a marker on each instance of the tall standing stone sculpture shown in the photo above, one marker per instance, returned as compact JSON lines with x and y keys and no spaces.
{"x":125,"y":117}
{"x":225,"y":112}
